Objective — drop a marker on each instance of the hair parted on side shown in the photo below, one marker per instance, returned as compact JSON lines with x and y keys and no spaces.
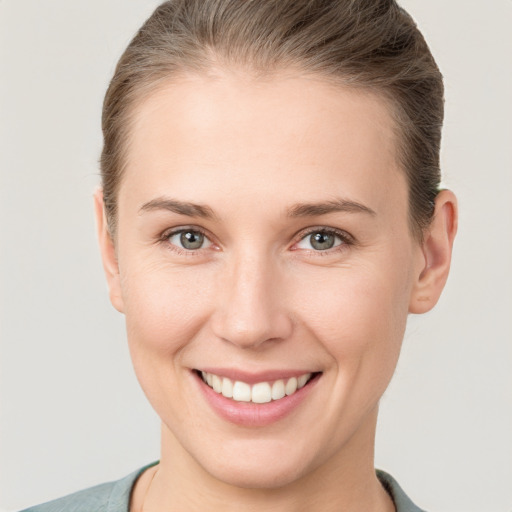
{"x":369,"y":44}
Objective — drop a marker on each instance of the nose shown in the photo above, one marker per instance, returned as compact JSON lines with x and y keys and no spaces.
{"x":251,"y":307}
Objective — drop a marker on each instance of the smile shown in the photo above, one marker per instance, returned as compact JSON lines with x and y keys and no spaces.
{"x":251,"y":400}
{"x":259,"y":392}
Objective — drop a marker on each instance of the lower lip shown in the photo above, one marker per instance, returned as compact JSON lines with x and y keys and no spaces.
{"x":249,"y":414}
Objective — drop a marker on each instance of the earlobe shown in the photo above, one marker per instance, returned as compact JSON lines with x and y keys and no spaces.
{"x":437,"y":252}
{"x":108,"y":253}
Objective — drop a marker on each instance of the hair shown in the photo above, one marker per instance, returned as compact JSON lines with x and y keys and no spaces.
{"x":366,"y":44}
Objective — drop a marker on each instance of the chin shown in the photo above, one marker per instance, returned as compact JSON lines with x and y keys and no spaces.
{"x":259,"y":467}
{"x":248,"y":476}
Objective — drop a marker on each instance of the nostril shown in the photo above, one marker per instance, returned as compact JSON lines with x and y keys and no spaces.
{"x":254,"y":334}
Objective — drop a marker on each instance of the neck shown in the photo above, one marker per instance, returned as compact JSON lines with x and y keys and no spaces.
{"x":347,"y":482}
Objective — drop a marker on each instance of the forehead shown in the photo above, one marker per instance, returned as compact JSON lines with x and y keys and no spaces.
{"x":231,"y":134}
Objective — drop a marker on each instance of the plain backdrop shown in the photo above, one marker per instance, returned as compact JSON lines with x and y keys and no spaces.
{"x":72,"y":414}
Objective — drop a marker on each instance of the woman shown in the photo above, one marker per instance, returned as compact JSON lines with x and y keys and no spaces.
{"x":270,"y":214}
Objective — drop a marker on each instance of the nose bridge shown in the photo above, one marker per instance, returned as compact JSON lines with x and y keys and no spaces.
{"x":251,"y":309}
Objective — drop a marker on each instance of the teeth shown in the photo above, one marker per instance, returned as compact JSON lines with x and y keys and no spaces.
{"x":260,"y":393}
{"x":227,"y":388}
{"x":301,"y":381}
{"x":291,"y":386}
{"x":217,"y":384}
{"x":241,"y":392}
{"x":278,"y":390}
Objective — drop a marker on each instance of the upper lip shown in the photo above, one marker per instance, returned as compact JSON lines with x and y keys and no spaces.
{"x":254,"y":377}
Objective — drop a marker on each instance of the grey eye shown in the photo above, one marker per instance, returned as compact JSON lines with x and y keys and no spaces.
{"x":320,"y":241}
{"x":189,"y":239}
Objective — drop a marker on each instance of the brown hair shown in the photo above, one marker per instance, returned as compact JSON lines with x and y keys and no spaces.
{"x":372,"y":44}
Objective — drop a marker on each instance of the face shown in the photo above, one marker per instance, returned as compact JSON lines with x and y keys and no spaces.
{"x":263,"y":244}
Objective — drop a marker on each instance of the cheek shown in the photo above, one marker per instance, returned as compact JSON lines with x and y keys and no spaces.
{"x":359,"y":319}
{"x":164,"y":308}
{"x":359,"y":313}
{"x":164,"y":312}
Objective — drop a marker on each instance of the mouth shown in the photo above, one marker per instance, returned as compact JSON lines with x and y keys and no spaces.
{"x":251,"y":401}
{"x":259,"y":392}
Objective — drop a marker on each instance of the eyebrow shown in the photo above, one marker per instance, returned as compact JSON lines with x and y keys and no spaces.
{"x":297,"y":210}
{"x":179,"y":207}
{"x":323,"y":208}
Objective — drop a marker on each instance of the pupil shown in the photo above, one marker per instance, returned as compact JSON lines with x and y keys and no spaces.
{"x":191,"y":239}
{"x":322,"y":241}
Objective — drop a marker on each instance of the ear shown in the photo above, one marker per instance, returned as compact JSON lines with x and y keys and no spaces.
{"x":108,"y":252}
{"x":437,"y":253}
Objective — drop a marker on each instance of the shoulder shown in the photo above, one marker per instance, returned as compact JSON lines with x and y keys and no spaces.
{"x":94,"y":499}
{"x":107,"y":497}
{"x":402,"y":502}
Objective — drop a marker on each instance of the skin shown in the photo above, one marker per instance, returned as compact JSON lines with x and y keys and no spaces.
{"x":258,"y":295}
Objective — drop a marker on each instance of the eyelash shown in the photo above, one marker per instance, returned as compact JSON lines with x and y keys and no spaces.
{"x":166,"y":235}
{"x":346,"y":240}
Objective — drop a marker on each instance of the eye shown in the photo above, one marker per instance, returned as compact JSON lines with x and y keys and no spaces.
{"x":188,"y":239}
{"x":323,"y":240}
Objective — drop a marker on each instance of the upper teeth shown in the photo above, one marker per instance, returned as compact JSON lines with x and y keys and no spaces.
{"x":259,"y":393}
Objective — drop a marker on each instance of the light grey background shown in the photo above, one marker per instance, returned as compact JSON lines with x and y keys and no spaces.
{"x":72,"y":414}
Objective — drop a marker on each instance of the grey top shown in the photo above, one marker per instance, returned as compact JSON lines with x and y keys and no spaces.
{"x":115,"y":496}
